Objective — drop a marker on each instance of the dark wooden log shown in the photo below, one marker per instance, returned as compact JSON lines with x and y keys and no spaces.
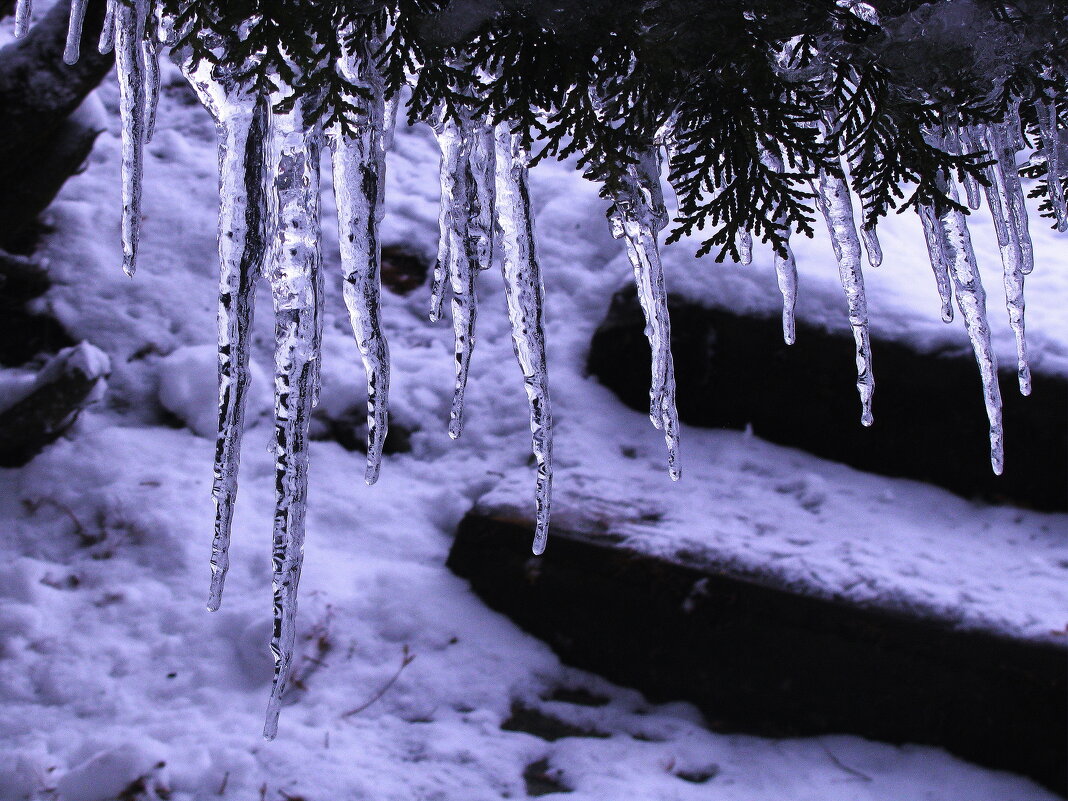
{"x":25,"y":334}
{"x":930,"y":422}
{"x":41,"y":147}
{"x":69,"y":382}
{"x":765,"y":659}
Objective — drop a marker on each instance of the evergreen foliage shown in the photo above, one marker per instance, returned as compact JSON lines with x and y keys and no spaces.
{"x":716,"y":83}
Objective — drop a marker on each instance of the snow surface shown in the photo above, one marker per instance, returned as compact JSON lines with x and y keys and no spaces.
{"x":111,"y":672}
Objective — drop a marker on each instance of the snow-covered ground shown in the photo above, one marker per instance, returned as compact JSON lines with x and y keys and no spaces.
{"x":111,"y":672}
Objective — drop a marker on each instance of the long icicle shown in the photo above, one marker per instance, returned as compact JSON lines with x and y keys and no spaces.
{"x":439,"y":281}
{"x":837,"y":209}
{"x":241,"y":118}
{"x":72,"y":51}
{"x":150,"y":54}
{"x":359,"y":165}
{"x":785,"y":265}
{"x":483,"y":192}
{"x":956,"y":244}
{"x":295,"y":276}
{"x":1046,"y":111}
{"x":130,"y":20}
{"x":639,"y":216}
{"x":525,"y":293}
{"x":23,"y":17}
{"x":458,"y":250}
{"x":998,"y":198}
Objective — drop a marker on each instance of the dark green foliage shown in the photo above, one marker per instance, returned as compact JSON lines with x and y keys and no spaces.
{"x":718,"y":83}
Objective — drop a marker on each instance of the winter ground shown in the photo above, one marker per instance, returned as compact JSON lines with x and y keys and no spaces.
{"x":111,"y":672}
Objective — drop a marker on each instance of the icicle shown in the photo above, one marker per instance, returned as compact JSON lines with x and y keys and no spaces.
{"x":390,"y":120}
{"x":785,"y":266}
{"x":23,"y":13}
{"x":107,"y":33}
{"x":871,"y":245}
{"x":150,"y":54}
{"x":956,"y":244}
{"x":938,"y":260}
{"x":640,"y":215}
{"x":464,"y":245}
{"x":837,"y":209}
{"x":241,"y":122}
{"x":130,"y":20}
{"x":72,"y":52}
{"x":523,"y":287}
{"x":1014,"y":131}
{"x":998,"y":140}
{"x":745,"y":248}
{"x":961,"y":143}
{"x":439,"y":281}
{"x":1013,"y":278}
{"x":294,"y":274}
{"x":359,"y":170}
{"x":1046,"y":111}
{"x":998,"y":199}
{"x":482,"y":162}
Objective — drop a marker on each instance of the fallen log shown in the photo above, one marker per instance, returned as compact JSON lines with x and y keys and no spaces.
{"x":681,"y":617}
{"x":72,"y":379}
{"x":733,"y":371}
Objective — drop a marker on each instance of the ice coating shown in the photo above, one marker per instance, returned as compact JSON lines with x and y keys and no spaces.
{"x":1046,"y":111}
{"x":525,"y":294}
{"x":241,"y":118}
{"x":294,"y":271}
{"x":458,"y":249}
{"x":639,"y":216}
{"x":23,"y":15}
{"x":130,"y":20}
{"x":998,"y":199}
{"x":107,"y":32}
{"x":72,"y":51}
{"x":359,"y":167}
{"x":938,"y":260}
{"x":834,"y":203}
{"x":956,"y":247}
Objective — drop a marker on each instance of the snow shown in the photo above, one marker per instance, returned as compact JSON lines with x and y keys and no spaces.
{"x":109,"y":664}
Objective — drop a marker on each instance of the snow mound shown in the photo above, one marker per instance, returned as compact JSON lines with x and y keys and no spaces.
{"x":114,"y":773}
{"x":188,"y":389}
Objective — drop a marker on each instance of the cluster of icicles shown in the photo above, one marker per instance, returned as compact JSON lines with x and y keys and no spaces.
{"x":270,"y":225}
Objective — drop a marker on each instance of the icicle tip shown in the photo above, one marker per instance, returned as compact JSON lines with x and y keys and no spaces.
{"x":541,"y":539}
